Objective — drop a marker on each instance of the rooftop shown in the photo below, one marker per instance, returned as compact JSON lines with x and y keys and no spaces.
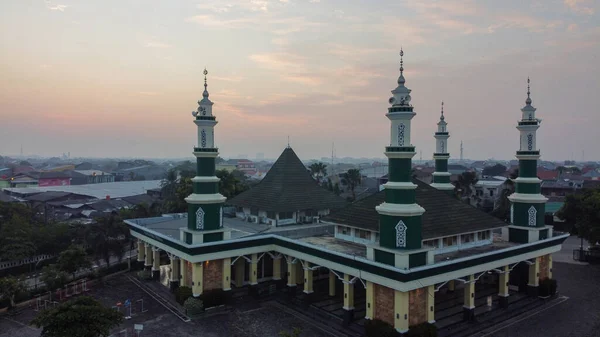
{"x":114,"y":190}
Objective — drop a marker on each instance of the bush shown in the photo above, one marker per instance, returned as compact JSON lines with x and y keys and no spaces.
{"x":213,"y":298}
{"x":193,"y":306}
{"x":182,"y":294}
{"x":547,"y":287}
{"x":422,"y":330}
{"x":145,"y":275}
{"x":379,"y":328}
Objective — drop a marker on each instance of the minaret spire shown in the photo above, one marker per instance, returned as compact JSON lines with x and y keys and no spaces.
{"x":205,"y":93}
{"x":528,"y":100}
{"x":441,"y":177}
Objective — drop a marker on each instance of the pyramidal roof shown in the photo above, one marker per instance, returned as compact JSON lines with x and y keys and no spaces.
{"x":288,"y":187}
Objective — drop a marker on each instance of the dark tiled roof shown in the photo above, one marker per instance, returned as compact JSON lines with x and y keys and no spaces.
{"x":139,"y":199}
{"x":6,"y":198}
{"x":53,"y":195}
{"x":288,"y":187}
{"x":55,"y":175}
{"x":444,"y":215}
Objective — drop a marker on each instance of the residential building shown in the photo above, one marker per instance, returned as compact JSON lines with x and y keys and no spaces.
{"x":54,"y":178}
{"x":83,"y":177}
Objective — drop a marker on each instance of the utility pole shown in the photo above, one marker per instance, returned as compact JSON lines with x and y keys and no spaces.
{"x":461,"y":151}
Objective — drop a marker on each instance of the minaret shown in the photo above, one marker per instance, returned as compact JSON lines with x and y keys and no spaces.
{"x":441,"y":177}
{"x":400,"y":216}
{"x":205,"y":203}
{"x":528,"y":204}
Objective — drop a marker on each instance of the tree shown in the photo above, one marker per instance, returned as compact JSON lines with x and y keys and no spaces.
{"x":231,"y":183}
{"x":53,"y":278}
{"x":108,"y":237}
{"x":81,"y":317}
{"x":318,"y":169}
{"x":464,"y":186}
{"x":16,"y":239}
{"x":9,"y":288}
{"x":352,"y":178}
{"x":73,"y":259}
{"x":53,"y":239}
{"x":495,"y":170}
{"x":502,"y":208}
{"x":294,"y":333}
{"x":583,"y":211}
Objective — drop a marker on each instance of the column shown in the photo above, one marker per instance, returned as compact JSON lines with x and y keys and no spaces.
{"x":534,"y":273}
{"x":197,"y":276}
{"x":226,"y":274}
{"x":291,"y":274}
{"x":308,"y":278}
{"x":141,"y":251}
{"x":431,"y":304}
{"x":277,"y":268}
{"x":348,"y":300}
{"x":370,"y":301}
{"x":149,"y":256}
{"x":156,"y":263}
{"x":299,"y":273}
{"x":503,"y":280}
{"x":469,"y":299}
{"x":240,"y":266}
{"x":401,"y":309}
{"x":549,"y":266}
{"x":332,"y":279}
{"x":254,"y":270}
{"x":184,"y":273}
{"x":174,"y":272}
{"x":451,"y":286}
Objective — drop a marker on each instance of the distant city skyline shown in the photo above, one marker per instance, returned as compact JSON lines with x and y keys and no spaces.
{"x":120,"y":80}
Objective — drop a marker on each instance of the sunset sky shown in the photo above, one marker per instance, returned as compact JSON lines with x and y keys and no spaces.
{"x":119,"y":78}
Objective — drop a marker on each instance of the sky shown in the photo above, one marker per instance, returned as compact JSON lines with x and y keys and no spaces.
{"x":119,"y":78}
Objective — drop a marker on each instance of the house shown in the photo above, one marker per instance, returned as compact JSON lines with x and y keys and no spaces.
{"x":54,"y":178}
{"x":25,"y":179}
{"x":82,"y":177}
{"x":487,"y":192}
{"x":561,"y":187}
{"x":245,"y":165}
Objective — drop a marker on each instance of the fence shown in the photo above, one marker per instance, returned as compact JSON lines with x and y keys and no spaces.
{"x":583,"y":255}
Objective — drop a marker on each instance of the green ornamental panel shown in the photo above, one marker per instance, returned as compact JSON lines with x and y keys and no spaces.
{"x":400,"y":169}
{"x":400,"y":232}
{"x":528,"y":188}
{"x":206,"y":188}
{"x":212,"y":237}
{"x":528,"y":168}
{"x":441,"y":165}
{"x":205,"y":166}
{"x":207,"y":218}
{"x":518,"y":235}
{"x":417,"y":260}
{"x":395,"y":196}
{"x":528,"y":214}
{"x":441,"y":179}
{"x":385,"y":257}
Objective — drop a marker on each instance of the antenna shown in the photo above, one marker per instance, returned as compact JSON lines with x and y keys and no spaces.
{"x":421,"y":156}
{"x":461,"y":151}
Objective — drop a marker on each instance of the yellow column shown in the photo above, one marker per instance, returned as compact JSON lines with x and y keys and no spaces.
{"x":240,"y":266}
{"x":299,"y":273}
{"x":451,"y":285}
{"x":332,"y":279}
{"x":534,"y":272}
{"x":469,"y":295}
{"x":156,"y":259}
{"x":184,"y":272}
{"x":141,"y":251}
{"x":254,"y":270}
{"x":550,"y":266}
{"x":308,"y":278}
{"x":348,"y":293}
{"x":503,"y":282}
{"x":226,"y":274}
{"x":175,"y":269}
{"x":197,"y":271}
{"x":401,"y":309}
{"x":431,"y":304}
{"x":149,"y":256}
{"x":291,"y":273}
{"x":277,"y":268}
{"x":370,"y":301}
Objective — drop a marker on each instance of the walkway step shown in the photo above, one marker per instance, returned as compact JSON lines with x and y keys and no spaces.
{"x":164,"y":302}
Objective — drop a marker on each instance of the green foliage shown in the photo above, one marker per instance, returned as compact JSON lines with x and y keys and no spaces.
{"x":9,"y":288}
{"x":73,"y":259}
{"x":336,"y":189}
{"x":182,"y":294}
{"x":81,"y":317}
{"x":352,"y":178}
{"x":422,"y":330}
{"x":294,"y":333}
{"x":583,"y":211}
{"x":502,"y":210}
{"x":547,"y":287}
{"x":53,"y":239}
{"x":379,"y":328}
{"x":108,"y":237}
{"x":193,"y":306}
{"x":231,"y":183}
{"x":318,"y":169}
{"x":16,"y":239}
{"x":53,"y":277}
{"x":145,"y":275}
{"x":213,"y":298}
{"x":464,"y":186}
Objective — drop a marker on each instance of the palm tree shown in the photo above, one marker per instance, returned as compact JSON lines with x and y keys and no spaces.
{"x":318,"y":169}
{"x":502,"y":209}
{"x":464,"y":186}
{"x":352,"y":178}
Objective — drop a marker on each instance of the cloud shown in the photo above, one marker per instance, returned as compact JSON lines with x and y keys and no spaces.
{"x":235,"y":79}
{"x":156,"y":44}
{"x":148,"y":93}
{"x":572,"y":27}
{"x":580,"y":6}
{"x":523,"y":21}
{"x":55,"y":7}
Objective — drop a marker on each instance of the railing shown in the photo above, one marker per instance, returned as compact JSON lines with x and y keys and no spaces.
{"x":584,"y":255}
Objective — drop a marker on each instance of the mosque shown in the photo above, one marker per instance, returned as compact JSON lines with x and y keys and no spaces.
{"x":391,"y":256}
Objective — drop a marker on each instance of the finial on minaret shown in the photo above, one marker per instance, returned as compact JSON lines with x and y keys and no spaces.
{"x":205,"y":93}
{"x":528,"y":100}
{"x":401,"y":61}
{"x":288,"y":141}
{"x":442,"y":116}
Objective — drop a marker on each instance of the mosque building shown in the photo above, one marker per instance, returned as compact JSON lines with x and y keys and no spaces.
{"x":391,"y":256}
